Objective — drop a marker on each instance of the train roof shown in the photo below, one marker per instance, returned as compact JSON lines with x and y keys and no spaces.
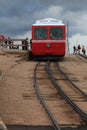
{"x":48,"y":21}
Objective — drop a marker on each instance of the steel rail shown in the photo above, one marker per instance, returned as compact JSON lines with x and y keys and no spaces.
{"x":80,"y":56}
{"x":0,"y":72}
{"x":84,"y":56}
{"x":73,"y":105}
{"x":55,"y":123}
{"x":74,"y":85}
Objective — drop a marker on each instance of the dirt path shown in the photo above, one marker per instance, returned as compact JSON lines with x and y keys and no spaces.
{"x":18,"y":101}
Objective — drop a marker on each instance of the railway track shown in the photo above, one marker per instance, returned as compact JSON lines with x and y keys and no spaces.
{"x":76,"y":70}
{"x":56,"y":126}
{"x":0,"y":72}
{"x":71,"y":82}
{"x":49,"y":95}
{"x":70,"y":92}
{"x":82,"y":57}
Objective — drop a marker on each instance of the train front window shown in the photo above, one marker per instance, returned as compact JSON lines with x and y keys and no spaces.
{"x":56,"y":33}
{"x":40,"y":33}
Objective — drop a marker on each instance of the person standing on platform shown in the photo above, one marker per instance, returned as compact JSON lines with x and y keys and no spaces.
{"x":83,"y":49}
{"x":9,"y":42}
{"x":74,"y":49}
{"x":79,"y":48}
{"x":26,"y":44}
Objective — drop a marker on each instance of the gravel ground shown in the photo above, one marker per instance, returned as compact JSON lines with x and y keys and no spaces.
{"x":76,"y":70}
{"x":18,"y":101}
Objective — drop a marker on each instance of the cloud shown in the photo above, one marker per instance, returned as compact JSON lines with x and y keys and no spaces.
{"x":51,"y":12}
{"x":17,"y":16}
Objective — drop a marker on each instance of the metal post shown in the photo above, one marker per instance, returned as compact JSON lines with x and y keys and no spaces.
{"x":68,"y":51}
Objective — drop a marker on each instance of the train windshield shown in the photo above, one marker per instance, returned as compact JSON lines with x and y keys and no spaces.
{"x":40,"y":33}
{"x":56,"y":33}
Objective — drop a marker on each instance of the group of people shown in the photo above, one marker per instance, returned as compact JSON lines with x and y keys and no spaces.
{"x":5,"y":42}
{"x":8,"y":42}
{"x":78,"y":49}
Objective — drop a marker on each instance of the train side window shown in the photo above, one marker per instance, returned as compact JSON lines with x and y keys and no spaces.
{"x":56,"y":33}
{"x":40,"y":33}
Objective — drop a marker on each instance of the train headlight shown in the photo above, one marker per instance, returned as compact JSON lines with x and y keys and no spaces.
{"x":48,"y":45}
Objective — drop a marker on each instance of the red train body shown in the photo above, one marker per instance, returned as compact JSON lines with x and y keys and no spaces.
{"x":48,"y":38}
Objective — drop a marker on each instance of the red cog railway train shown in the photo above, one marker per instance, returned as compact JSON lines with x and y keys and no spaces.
{"x":48,"y":38}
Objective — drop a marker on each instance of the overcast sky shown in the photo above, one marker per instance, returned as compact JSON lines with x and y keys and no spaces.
{"x":17,"y":17}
